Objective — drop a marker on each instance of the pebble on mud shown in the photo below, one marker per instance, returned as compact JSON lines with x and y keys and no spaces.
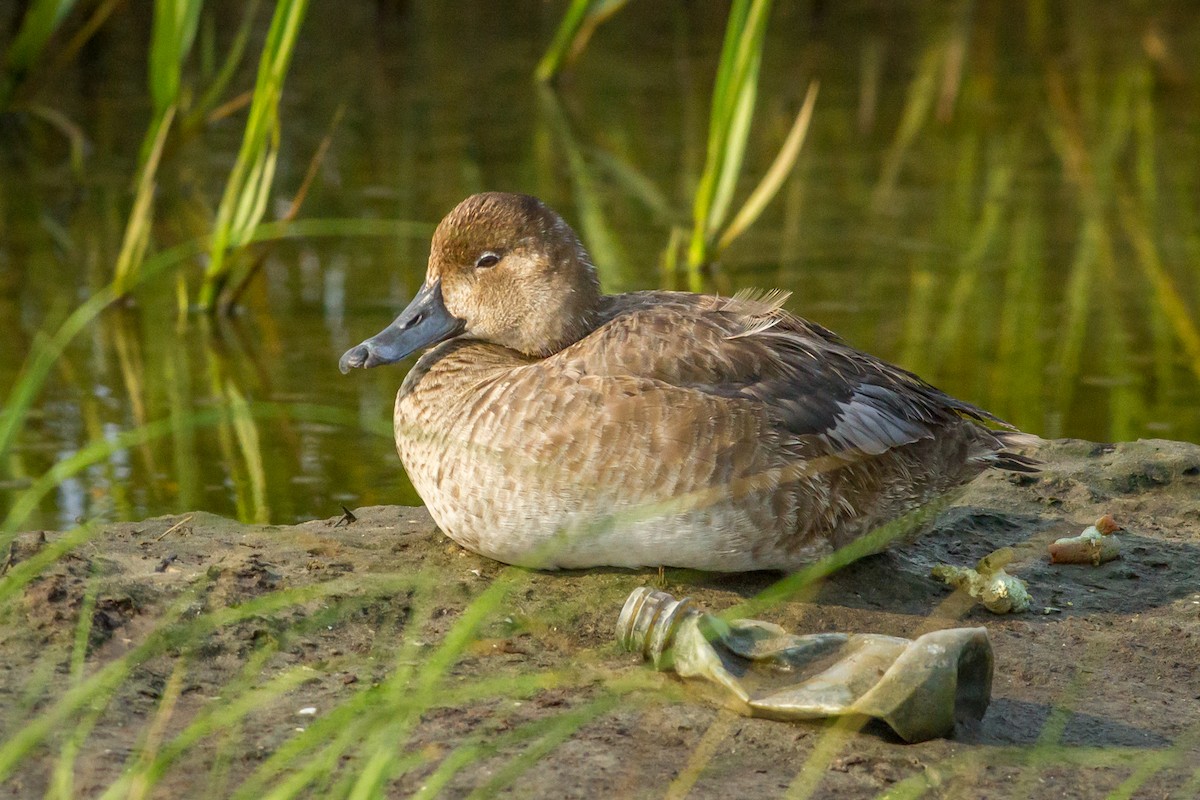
{"x":988,"y":583}
{"x":1094,"y":546}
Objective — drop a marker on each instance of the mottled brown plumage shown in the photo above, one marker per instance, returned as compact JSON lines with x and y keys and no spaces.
{"x":558,"y":427}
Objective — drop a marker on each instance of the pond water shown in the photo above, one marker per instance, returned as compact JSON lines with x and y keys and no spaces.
{"x":1001,"y":198}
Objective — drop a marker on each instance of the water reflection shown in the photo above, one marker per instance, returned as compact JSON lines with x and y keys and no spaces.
{"x":1002,"y":198}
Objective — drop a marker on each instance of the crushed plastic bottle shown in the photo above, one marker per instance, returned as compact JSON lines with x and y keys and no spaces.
{"x":917,"y":687}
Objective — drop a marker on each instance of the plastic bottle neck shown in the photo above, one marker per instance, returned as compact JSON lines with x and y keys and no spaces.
{"x":648,"y":623}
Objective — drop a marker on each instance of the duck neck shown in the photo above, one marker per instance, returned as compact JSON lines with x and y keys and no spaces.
{"x":576,"y":317}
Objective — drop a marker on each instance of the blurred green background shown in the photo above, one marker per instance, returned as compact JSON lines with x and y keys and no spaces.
{"x":1001,"y":196}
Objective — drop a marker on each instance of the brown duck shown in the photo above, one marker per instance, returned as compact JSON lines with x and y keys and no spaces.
{"x":555,"y":426}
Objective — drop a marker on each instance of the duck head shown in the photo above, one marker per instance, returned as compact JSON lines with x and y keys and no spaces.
{"x":503,"y":268}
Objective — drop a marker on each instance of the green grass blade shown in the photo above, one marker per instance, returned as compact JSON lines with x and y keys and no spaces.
{"x":774,"y":177}
{"x":41,"y":20}
{"x":805,"y":579}
{"x":560,"y":46}
{"x":100,"y":449}
{"x":20,"y":575}
{"x":244,"y":200}
{"x":984,"y":236}
{"x":47,"y":349}
{"x":343,"y":726}
{"x":141,"y":216}
{"x":217,"y":716}
{"x":173,"y":631}
{"x":724,"y":101}
{"x":637,"y":184}
{"x":733,"y":151}
{"x":559,"y":729}
{"x":171,"y":39}
{"x":577,"y":26}
{"x":76,"y":138}
{"x":63,"y":778}
{"x":382,"y":762}
{"x":249,"y":445}
{"x":921,"y":95}
{"x":1168,"y":298}
{"x":220,"y":82}
{"x":612,"y":264}
{"x":740,"y":97}
{"x":734,"y":95}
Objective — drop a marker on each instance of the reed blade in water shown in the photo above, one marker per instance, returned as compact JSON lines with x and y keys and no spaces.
{"x":41,"y":20}
{"x":212,"y":96}
{"x":612,"y":263}
{"x":733,"y":100}
{"x":578,"y":24}
{"x":141,"y":216}
{"x":249,"y":184}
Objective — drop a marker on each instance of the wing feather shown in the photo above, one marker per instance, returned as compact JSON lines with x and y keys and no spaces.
{"x":818,"y":392}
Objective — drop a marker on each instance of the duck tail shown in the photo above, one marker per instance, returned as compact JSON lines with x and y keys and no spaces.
{"x":1016,"y":462}
{"x":1013,"y":461}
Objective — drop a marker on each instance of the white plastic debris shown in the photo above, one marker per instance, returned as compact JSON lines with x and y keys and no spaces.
{"x":1096,"y":545}
{"x":988,"y":583}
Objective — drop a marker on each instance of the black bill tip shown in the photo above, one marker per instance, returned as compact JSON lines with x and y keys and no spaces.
{"x":354,"y":358}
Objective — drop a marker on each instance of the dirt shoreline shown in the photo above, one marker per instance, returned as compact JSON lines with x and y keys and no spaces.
{"x":1097,"y":689}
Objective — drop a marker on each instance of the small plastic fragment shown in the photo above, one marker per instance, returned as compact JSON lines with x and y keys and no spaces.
{"x":1096,"y":545}
{"x":988,"y":583}
{"x":917,"y":687}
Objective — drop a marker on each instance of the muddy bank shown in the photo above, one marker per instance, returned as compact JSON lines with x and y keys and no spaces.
{"x":1097,"y":688}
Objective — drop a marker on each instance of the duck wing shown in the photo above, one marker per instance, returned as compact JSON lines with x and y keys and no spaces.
{"x":822,"y":396}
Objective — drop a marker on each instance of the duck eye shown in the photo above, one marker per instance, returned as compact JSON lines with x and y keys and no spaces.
{"x":487,"y":260}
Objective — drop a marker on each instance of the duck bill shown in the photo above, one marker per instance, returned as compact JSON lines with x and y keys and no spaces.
{"x":424,"y":323}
